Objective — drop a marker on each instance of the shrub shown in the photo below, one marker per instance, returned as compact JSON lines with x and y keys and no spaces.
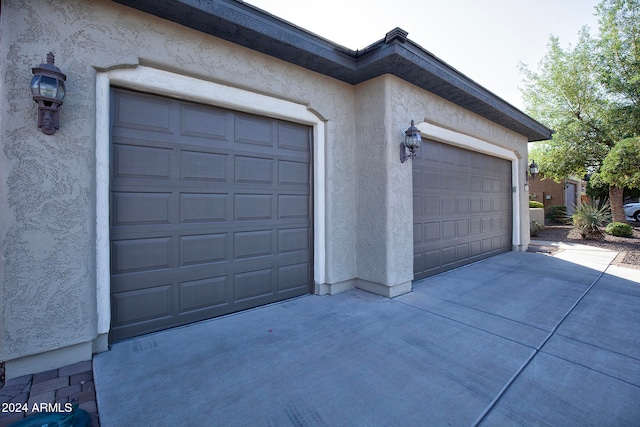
{"x":535,"y":228}
{"x":534,"y":204}
{"x":619,"y":229}
{"x":588,"y":218}
{"x":557,"y":213}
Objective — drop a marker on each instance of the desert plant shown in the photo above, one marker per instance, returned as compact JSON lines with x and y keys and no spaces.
{"x":619,"y":229}
{"x":557,"y":214}
{"x":534,"y":204}
{"x":588,"y":218}
{"x":535,"y":228}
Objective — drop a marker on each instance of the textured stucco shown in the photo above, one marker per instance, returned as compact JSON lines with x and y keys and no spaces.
{"x":48,"y":199}
{"x":386,"y":105}
{"x":409,"y":102}
{"x":47,"y":224}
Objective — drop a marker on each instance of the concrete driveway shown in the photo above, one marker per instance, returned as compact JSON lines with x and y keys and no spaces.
{"x":518,"y":339}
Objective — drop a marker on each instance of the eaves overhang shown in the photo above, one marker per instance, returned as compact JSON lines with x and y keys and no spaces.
{"x":251,"y":27}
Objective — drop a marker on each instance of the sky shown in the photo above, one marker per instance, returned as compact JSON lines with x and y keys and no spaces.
{"x":485,"y":40}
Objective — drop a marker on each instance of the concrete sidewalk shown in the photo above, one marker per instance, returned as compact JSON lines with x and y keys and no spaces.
{"x":517,"y":339}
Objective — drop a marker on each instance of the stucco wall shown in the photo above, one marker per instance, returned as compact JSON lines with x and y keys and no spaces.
{"x":385,"y":198}
{"x":47,"y":225}
{"x":409,"y":102}
{"x":48,"y":188}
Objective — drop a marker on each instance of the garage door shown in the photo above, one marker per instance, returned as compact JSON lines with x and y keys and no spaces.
{"x":461,"y":206}
{"x":210,"y":212}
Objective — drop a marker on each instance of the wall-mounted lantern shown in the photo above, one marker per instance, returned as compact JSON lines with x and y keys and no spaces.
{"x":47,"y":87}
{"x":533,"y":170}
{"x":412,"y":141}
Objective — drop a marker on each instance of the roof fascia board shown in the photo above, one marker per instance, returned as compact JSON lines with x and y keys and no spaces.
{"x":251,"y":27}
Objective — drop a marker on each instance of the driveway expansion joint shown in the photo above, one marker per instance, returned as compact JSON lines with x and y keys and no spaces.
{"x":515,"y":376}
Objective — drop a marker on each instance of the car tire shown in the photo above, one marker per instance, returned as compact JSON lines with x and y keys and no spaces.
{"x":636,"y":216}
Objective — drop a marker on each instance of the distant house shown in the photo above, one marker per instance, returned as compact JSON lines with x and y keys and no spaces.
{"x":212,"y":157}
{"x":567,"y":193}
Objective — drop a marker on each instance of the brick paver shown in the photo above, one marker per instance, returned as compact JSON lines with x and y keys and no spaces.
{"x":72,"y":383}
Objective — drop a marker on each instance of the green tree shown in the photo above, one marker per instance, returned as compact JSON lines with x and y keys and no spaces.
{"x":589,"y":94}
{"x":619,"y":61}
{"x":621,"y":167}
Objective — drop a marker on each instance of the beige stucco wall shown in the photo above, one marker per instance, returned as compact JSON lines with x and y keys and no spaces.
{"x":47,"y":218}
{"x":48,"y":183}
{"x":384,"y":234}
{"x":410,"y":102}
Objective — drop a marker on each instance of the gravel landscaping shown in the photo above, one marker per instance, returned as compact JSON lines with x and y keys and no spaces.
{"x":567,"y":233}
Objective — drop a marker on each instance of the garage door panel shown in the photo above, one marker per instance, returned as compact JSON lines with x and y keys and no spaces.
{"x":450,"y":182}
{"x":475,"y":205}
{"x":431,"y":205}
{"x":293,"y":277}
{"x":463,"y":252}
{"x":432,"y":259}
{"x":448,"y":229}
{"x":204,"y":166}
{"x":252,"y":207}
{"x":449,"y":256}
{"x":431,"y":180}
{"x":253,"y":284}
{"x":143,"y":112}
{"x":205,"y":294}
{"x":293,"y":173}
{"x":462,"y":228}
{"x":448,"y":154}
{"x":204,"y":249}
{"x":203,"y":207}
{"x":294,"y":137}
{"x":252,"y":244}
{"x":464,"y":158}
{"x":208,"y":218}
{"x":207,"y":122}
{"x":128,"y":256}
{"x":135,"y":208}
{"x":252,"y":130}
{"x":293,"y":206}
{"x":464,"y":183}
{"x":293,"y":240}
{"x":431,"y":231}
{"x":475,"y":225}
{"x":131,"y":161}
{"x":476,"y":185}
{"x":142,"y":305}
{"x":463,"y":207}
{"x":254,"y":170}
{"x":447,"y":206}
{"x":418,"y":237}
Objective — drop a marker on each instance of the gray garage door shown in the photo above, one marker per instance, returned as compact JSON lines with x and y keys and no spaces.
{"x":462,"y":208}
{"x":210,"y":212}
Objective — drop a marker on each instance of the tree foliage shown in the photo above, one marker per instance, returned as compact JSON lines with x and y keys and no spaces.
{"x":619,"y":60}
{"x":590,"y":95}
{"x":621,"y":167}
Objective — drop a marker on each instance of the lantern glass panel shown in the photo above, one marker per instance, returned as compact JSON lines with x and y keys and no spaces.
{"x":413,"y":141}
{"x":61,"y":90}
{"x":35,"y":85}
{"x":48,"y":87}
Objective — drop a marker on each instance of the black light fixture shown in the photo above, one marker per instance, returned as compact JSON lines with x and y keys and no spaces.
{"x":533,"y":170}
{"x":47,"y":87}
{"x":412,"y":141}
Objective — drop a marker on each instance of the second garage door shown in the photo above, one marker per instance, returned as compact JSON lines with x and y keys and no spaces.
{"x":461,"y":205}
{"x":210,"y":212}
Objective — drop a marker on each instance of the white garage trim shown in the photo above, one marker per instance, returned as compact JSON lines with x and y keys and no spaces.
{"x":151,"y":80}
{"x":441,"y":134}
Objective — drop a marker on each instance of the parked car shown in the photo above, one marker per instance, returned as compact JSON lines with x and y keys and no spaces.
{"x":632,"y":211}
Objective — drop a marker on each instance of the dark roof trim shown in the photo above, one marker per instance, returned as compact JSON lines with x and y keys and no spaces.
{"x":248,"y":26}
